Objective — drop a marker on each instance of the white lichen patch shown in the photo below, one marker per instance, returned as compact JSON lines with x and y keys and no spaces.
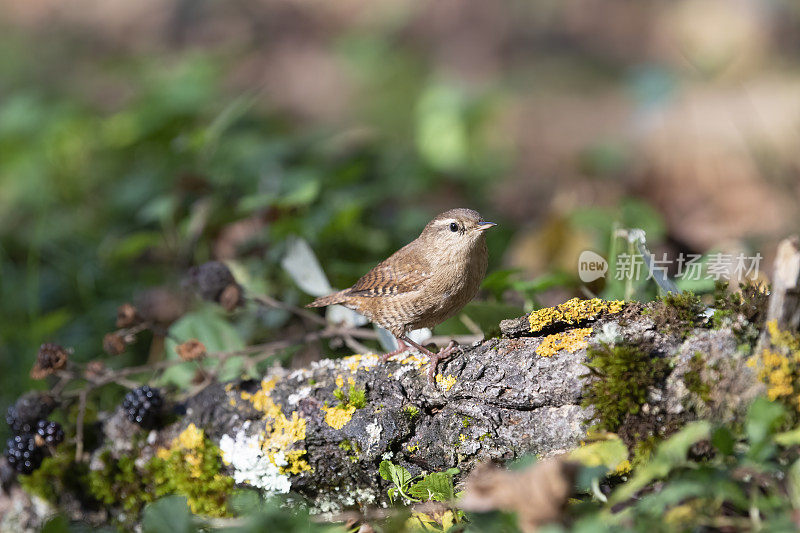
{"x":338,"y":498}
{"x":610,"y":333}
{"x":252,"y":466}
{"x":325,"y":364}
{"x":301,"y":374}
{"x":374,"y":431}
{"x":301,"y":393}
{"x":360,"y":361}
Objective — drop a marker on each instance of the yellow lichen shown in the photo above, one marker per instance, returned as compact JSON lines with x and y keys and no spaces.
{"x":778,"y":366}
{"x":365,"y":361}
{"x":190,"y":466}
{"x":571,"y":341}
{"x":285,"y":432}
{"x":572,"y":312}
{"x":338,"y":417}
{"x":445,"y":383}
{"x":190,"y":438}
{"x":281,"y":432}
{"x":412,"y":359}
{"x":191,"y":443}
{"x":261,"y":399}
{"x":296,"y":462}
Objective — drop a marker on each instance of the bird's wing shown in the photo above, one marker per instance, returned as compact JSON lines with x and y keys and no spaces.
{"x":400,"y":273}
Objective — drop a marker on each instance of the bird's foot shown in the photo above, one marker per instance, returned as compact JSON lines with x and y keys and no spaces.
{"x":444,"y":353}
{"x":401,"y":347}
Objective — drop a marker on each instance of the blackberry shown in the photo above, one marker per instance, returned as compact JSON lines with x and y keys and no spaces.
{"x":23,"y":454}
{"x":27,"y":411}
{"x":143,"y":406}
{"x":214,"y":282}
{"x":51,"y":432}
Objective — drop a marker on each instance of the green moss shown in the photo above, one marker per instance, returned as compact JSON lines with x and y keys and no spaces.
{"x":411,"y":411}
{"x":196,"y":476}
{"x":743,"y":311}
{"x":466,"y":421}
{"x":57,"y":475}
{"x":621,"y":375}
{"x":354,"y":397}
{"x":693,"y":378}
{"x":643,"y":450}
{"x":677,"y":314}
{"x":194,"y":473}
{"x":120,"y":483}
{"x":352,"y":449}
{"x":340,"y":395}
{"x":358,"y":397}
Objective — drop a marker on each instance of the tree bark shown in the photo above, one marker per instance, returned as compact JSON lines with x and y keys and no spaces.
{"x":496,"y":400}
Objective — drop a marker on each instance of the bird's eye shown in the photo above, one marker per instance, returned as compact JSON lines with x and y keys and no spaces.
{"x":453,"y":227}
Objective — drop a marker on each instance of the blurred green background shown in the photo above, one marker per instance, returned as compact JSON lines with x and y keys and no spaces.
{"x":138,"y":139}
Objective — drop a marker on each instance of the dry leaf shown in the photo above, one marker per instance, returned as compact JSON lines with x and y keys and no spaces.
{"x":537,"y":494}
{"x":127,"y":316}
{"x":51,"y":357}
{"x":191,"y":350}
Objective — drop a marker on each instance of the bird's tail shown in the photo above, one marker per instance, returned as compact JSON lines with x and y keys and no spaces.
{"x":331,"y":299}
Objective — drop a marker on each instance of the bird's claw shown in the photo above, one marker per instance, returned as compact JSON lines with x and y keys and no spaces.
{"x":444,"y":353}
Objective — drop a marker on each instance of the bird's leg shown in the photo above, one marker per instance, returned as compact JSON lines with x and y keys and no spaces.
{"x":401,"y":347}
{"x":444,"y":353}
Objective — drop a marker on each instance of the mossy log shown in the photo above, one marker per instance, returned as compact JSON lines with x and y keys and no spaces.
{"x":321,"y":432}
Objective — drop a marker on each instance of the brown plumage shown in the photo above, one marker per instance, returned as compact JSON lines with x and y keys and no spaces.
{"x":425,"y":282}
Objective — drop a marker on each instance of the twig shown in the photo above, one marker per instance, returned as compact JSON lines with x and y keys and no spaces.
{"x":79,"y":424}
{"x":355,"y":345}
{"x":268,"y":301}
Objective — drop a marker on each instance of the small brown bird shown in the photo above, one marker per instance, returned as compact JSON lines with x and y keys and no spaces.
{"x":423,"y":283}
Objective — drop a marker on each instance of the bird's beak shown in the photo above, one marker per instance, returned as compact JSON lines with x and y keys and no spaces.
{"x":485,"y":225}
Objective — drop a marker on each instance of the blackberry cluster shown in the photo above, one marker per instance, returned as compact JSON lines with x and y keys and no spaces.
{"x":23,"y":454}
{"x":31,"y":432}
{"x":51,"y":432}
{"x":23,"y":416}
{"x":143,"y":406}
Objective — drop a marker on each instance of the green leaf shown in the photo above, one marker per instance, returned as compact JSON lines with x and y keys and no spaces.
{"x":304,"y":189}
{"x":788,"y":438}
{"x":700,"y":485}
{"x":669,"y":455}
{"x":609,"y":453}
{"x":485,"y":315}
{"x":723,"y":440}
{"x":763,"y":419}
{"x":57,"y":524}
{"x":246,"y":501}
{"x":167,"y":515}
{"x":394,"y":473}
{"x":499,"y":281}
{"x":210,"y":326}
{"x":793,"y":483}
{"x":437,"y":487}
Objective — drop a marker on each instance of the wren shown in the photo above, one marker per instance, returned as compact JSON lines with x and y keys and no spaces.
{"x":424,"y":283}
